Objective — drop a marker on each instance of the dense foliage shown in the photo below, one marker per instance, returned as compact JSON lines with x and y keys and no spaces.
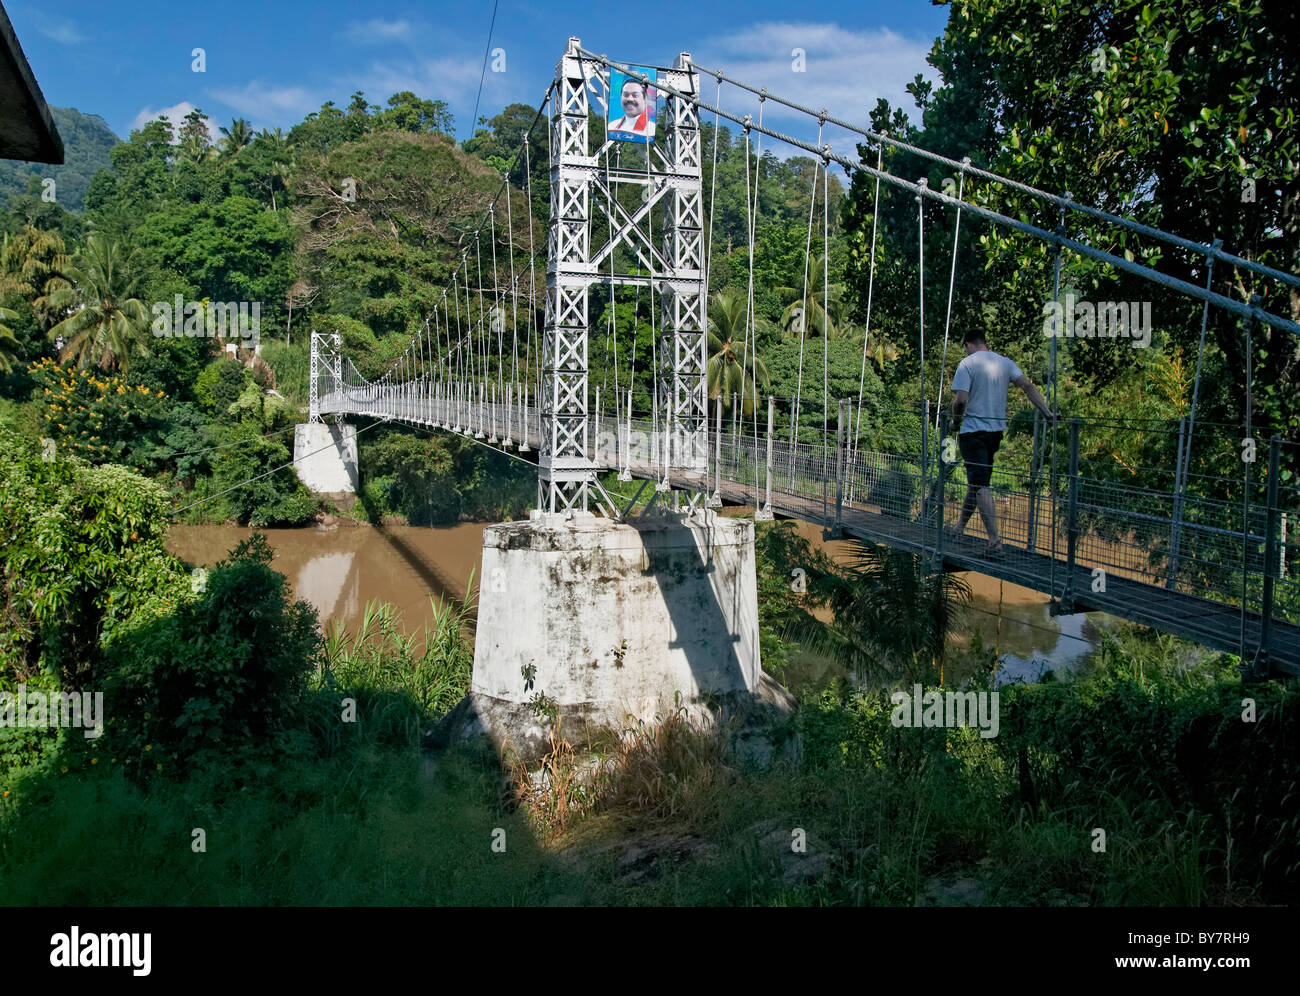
{"x":120,"y":406}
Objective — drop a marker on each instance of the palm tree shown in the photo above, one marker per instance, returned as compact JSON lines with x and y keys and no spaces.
{"x":732,"y":364}
{"x":8,"y":344}
{"x":811,"y":303}
{"x":281,"y":155}
{"x":33,"y":265}
{"x":892,"y":616}
{"x":106,"y":323}
{"x":881,"y":351}
{"x":238,"y":136}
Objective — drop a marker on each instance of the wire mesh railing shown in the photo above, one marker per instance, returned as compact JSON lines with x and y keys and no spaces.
{"x":1104,"y":503}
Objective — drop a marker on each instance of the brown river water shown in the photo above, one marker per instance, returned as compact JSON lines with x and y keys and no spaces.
{"x":338,"y":569}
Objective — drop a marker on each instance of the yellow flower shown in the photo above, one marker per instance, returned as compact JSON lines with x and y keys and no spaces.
{"x":158,"y":766}
{"x":148,"y":746}
{"x":94,"y":760}
{"x":64,"y":769}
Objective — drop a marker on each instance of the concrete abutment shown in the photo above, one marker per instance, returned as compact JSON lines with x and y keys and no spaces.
{"x":606,"y":623}
{"x":325,"y":457}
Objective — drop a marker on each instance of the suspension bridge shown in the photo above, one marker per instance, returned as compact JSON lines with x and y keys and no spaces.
{"x":1204,"y":549}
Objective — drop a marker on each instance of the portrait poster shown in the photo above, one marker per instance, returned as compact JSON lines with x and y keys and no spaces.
{"x":632,"y":106}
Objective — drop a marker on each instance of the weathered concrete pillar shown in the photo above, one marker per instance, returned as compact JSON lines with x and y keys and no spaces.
{"x":611,"y":620}
{"x":326,"y":457}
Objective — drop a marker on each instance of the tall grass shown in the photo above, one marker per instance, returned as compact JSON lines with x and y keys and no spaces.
{"x":399,"y":681}
{"x":1148,"y":745}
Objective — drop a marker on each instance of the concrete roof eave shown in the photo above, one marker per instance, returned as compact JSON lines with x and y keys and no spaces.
{"x":27,"y":130}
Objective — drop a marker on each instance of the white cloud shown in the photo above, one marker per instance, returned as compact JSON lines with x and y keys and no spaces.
{"x":378,"y":32}
{"x":845,"y":72}
{"x":59,"y":30}
{"x":175,"y":114}
{"x":280,"y":103}
{"x":454,"y":79}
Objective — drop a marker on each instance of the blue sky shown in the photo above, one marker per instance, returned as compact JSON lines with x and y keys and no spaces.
{"x":272,"y":61}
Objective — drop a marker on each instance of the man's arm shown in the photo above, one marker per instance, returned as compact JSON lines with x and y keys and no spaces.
{"x":1034,"y":396}
{"x":959,"y":402}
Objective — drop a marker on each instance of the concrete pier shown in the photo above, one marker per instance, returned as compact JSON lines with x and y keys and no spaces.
{"x":331,"y":468}
{"x":612,"y":623}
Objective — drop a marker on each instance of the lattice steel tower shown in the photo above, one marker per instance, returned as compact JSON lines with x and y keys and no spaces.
{"x":567,"y":476}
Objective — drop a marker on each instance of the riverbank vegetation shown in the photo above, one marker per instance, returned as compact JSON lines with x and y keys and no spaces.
{"x":298,"y":755}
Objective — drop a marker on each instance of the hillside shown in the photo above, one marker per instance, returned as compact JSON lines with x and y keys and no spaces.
{"x":86,"y":141}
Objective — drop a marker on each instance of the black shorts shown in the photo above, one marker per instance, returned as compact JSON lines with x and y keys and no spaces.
{"x":977,"y":449}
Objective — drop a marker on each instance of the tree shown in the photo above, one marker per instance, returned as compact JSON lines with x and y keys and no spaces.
{"x":1179,"y":115}
{"x":329,"y":128}
{"x":806,"y":313}
{"x":84,"y":552}
{"x":9,"y":346}
{"x":380,"y":248}
{"x":274,"y":148}
{"x":33,"y":265}
{"x":232,"y":251}
{"x":502,"y":142}
{"x":881,"y":351}
{"x":238,"y":136}
{"x":32,"y":208}
{"x":733,"y":363}
{"x":407,"y":112}
{"x":140,"y":179}
{"x":108,"y":323}
{"x":195,"y":138}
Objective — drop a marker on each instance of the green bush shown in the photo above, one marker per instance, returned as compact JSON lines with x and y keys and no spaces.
{"x":220,"y":385}
{"x":225,"y":671}
{"x":411,"y":475}
{"x":264,"y":491}
{"x":292,"y":368}
{"x":83,"y":559}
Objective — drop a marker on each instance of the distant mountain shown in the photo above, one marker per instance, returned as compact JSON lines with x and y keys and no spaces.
{"x":86,"y":141}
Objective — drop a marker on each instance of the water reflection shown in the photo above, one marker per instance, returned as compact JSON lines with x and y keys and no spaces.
{"x":1013,"y":621}
{"x":1017,"y":624}
{"x":338,"y":569}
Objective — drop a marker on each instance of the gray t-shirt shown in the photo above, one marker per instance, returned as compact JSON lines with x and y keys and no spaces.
{"x":985,"y":375}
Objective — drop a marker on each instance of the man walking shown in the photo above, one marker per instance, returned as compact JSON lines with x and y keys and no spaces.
{"x":979,"y":408}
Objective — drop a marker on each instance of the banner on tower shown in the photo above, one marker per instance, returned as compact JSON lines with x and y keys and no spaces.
{"x":632,"y":105}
